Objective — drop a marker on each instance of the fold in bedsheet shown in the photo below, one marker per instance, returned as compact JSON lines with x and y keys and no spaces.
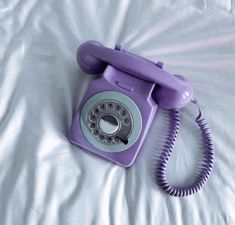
{"x":45,"y":180}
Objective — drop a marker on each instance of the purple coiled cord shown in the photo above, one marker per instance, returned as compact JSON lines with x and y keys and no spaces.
{"x":207,"y":162}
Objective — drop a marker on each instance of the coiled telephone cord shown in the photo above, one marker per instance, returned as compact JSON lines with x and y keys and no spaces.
{"x":207,"y":162}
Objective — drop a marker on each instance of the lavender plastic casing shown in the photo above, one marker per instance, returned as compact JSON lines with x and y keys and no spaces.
{"x":139,"y":91}
{"x":132,"y":79}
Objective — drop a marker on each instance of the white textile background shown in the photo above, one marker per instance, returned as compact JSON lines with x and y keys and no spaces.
{"x":44,"y":180}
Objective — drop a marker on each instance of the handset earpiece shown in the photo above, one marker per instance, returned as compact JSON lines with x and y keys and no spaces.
{"x":88,"y":62}
{"x":173,"y":91}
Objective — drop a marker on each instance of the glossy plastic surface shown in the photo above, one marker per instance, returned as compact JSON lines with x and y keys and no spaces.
{"x":173,"y":91}
{"x":139,"y":91}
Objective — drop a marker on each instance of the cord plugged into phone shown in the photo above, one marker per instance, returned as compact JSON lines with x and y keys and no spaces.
{"x":118,"y":108}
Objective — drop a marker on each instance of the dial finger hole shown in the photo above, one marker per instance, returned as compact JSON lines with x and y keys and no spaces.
{"x":126,"y":121}
{"x":96,"y":111}
{"x":109,"y":139}
{"x":95,"y":132}
{"x":102,"y":106}
{"x":92,"y":125}
{"x":92,"y":117}
{"x":101,"y":137}
{"x":110,"y":105}
{"x":123,"y":113}
{"x":116,"y":139}
{"x":117,"y":107}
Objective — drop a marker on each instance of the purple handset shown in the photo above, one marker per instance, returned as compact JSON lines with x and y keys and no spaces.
{"x":118,"y":108}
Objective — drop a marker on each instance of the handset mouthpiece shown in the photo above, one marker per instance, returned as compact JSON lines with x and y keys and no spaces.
{"x":171,"y":99}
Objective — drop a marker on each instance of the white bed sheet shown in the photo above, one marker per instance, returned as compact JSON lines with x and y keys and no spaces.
{"x":45,"y":180}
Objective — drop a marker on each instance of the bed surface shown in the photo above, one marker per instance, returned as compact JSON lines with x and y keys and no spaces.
{"x":44,"y":179}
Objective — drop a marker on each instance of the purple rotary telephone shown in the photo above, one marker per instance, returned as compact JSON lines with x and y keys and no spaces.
{"x":118,"y":108}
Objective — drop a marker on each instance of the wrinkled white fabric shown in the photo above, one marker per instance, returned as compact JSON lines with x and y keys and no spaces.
{"x":44,"y":180}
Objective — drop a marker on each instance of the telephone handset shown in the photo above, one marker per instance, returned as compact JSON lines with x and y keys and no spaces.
{"x":118,"y":108}
{"x":174,"y":91}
